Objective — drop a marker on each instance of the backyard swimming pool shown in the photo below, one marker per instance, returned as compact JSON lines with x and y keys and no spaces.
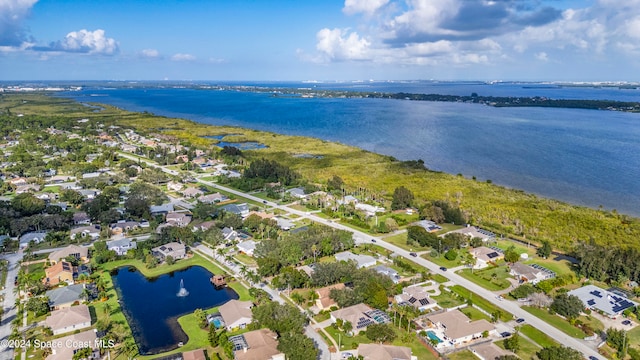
{"x":433,"y":336}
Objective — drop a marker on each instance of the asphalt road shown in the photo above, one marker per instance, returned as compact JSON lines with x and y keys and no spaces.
{"x":9,"y":304}
{"x":361,"y":237}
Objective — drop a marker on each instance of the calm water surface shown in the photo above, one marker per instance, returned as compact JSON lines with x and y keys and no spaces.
{"x":152,"y":306}
{"x":585,"y":157}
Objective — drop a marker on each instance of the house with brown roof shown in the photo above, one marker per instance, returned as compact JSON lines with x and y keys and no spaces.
{"x":69,"y":319}
{"x":360,"y":316}
{"x":197,"y":354}
{"x":236,"y":314}
{"x":324,"y":301}
{"x":458,"y":328}
{"x":257,"y":345}
{"x":81,"y":253}
{"x":192,"y":192}
{"x":385,"y":352}
{"x":74,"y":342}
{"x":62,"y":271}
{"x":485,"y":256}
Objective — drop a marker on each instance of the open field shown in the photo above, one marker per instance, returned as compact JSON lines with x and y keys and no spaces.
{"x":493,"y":279}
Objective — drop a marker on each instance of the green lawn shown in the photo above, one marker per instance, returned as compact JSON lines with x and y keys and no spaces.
{"x":634,"y":335}
{"x":538,"y":336}
{"x":418,"y":349}
{"x":556,"y":321}
{"x":475,"y":314}
{"x":527,"y":348}
{"x":400,"y":240}
{"x":440,"y":278}
{"x":481,"y":302}
{"x":462,"y":355}
{"x":494,"y":278}
{"x":447,"y":299}
{"x":245,"y":259}
{"x":441,"y":261}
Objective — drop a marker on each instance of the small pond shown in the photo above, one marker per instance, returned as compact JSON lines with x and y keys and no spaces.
{"x":152,"y":306}
{"x":245,"y":145}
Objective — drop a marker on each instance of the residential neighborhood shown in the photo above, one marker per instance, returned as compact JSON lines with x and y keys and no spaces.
{"x":357,"y":276}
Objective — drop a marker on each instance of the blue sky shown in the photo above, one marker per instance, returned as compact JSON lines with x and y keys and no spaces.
{"x":563,"y":40}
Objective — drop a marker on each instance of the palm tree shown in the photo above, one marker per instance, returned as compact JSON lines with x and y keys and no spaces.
{"x":298,"y":298}
{"x":106,"y":309}
{"x":347,"y":326}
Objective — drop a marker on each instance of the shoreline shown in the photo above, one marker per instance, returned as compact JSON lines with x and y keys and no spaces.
{"x":501,"y":210}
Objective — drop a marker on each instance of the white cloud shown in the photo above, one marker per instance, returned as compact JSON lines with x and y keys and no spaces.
{"x":542,"y":56}
{"x":183,"y":57}
{"x":85,"y":41}
{"x":150,"y":53}
{"x":12,"y":15}
{"x":368,"y":7}
{"x":340,"y":44}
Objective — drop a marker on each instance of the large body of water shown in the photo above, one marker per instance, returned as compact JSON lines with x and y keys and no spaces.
{"x":585,"y":157}
{"x":152,"y":306}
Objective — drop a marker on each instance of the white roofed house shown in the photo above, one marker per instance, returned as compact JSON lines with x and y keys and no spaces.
{"x":370,"y":210}
{"x":297,"y":193}
{"x":121,"y":246}
{"x":363,"y":261}
{"x":609,"y":302}
{"x":247,"y":247}
{"x":85,"y":232}
{"x":174,"y":186}
{"x":474,"y":232}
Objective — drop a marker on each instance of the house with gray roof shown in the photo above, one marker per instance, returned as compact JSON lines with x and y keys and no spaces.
{"x":391,"y":273}
{"x":608,"y":302}
{"x":247,"y":247}
{"x":161,"y":209}
{"x":238,"y":209}
{"x":297,"y":193}
{"x":36,"y":237}
{"x":64,"y":297}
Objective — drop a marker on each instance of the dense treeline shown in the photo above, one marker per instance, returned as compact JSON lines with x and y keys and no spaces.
{"x":503,"y":101}
{"x":366,"y":285}
{"x":606,"y":263}
{"x":261,"y":172}
{"x":317,"y":241}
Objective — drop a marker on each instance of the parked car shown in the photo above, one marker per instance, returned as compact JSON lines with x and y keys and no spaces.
{"x":505,"y":334}
{"x":413,"y":254}
{"x":626,"y":322}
